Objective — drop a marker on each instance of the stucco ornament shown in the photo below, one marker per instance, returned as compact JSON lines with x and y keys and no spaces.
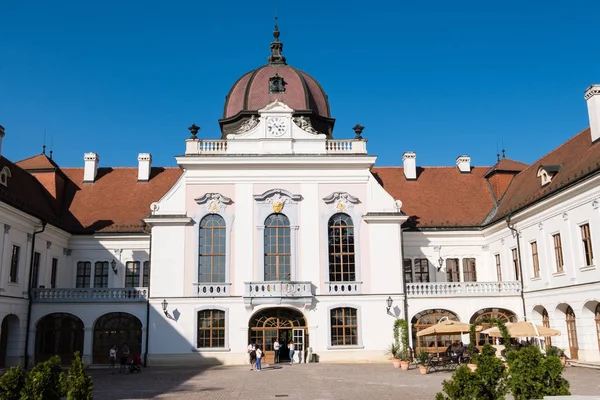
{"x":277,"y":201}
{"x":304,"y":123}
{"x":213,"y":203}
{"x":277,"y":198}
{"x":248,"y":124}
{"x":595,"y":204}
{"x":341,"y":201}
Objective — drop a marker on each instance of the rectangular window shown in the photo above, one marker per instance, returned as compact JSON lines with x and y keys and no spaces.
{"x":101,"y":274}
{"x":344,"y":327}
{"x":211,"y":329}
{"x":469,"y":270}
{"x":84,"y":274}
{"x":498,"y":268}
{"x":421,"y":270}
{"x":558,"y":254}
{"x":35,"y":271}
{"x":132,"y":274}
{"x":14,"y":264}
{"x":535,"y":259}
{"x":408,"y":270}
{"x":146,"y":276}
{"x":515,"y":258}
{"x":54,"y":273}
{"x":586,"y":238}
{"x":452,"y":272}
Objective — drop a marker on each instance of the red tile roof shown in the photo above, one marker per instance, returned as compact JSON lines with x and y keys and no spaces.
{"x":506,"y":165}
{"x":440,"y":196}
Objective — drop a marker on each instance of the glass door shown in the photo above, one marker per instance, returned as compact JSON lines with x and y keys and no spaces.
{"x":298,"y":337}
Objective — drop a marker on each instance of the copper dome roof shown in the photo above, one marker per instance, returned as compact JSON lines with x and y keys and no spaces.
{"x":253,"y":91}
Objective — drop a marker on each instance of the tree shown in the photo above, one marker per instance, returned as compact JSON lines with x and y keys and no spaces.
{"x":78,"y":384}
{"x":44,"y":381}
{"x":533,"y":376}
{"x":402,"y":325}
{"x":462,"y":386}
{"x":11,"y":383}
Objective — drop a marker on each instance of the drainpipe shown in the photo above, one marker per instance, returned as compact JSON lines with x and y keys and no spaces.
{"x":30,"y":292}
{"x":148,"y":299}
{"x":512,"y":228}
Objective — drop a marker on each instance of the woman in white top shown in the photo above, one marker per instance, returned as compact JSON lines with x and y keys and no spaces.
{"x":112,"y":353}
{"x":258,"y":358}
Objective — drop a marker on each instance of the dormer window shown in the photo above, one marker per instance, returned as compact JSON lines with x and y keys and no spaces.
{"x":547,"y":172}
{"x":4,"y":175}
{"x":276,"y":84}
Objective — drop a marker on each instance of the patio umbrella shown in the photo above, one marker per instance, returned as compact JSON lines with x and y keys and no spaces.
{"x":447,"y":327}
{"x":523,"y":329}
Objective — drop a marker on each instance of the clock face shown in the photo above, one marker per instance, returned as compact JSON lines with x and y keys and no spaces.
{"x":276,"y":126}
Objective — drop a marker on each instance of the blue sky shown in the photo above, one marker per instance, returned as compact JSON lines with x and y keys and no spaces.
{"x":436,"y":77}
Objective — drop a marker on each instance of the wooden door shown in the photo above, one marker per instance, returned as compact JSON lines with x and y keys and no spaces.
{"x":572,"y":334}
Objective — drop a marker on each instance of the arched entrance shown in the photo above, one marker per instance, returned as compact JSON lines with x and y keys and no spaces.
{"x":572,"y":333}
{"x":490,"y":314}
{"x":284,"y":324}
{"x":116,"y":328}
{"x":8,"y":340}
{"x":424,"y":320}
{"x":58,"y":334}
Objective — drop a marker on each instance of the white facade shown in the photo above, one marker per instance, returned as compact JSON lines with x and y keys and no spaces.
{"x":279,"y":167}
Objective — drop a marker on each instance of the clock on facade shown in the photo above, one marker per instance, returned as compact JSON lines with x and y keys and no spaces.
{"x":276,"y":126}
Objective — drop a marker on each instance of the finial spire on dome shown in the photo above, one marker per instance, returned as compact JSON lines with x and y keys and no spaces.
{"x":276,"y":48}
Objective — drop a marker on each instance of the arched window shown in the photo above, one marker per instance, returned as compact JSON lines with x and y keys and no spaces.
{"x":572,"y":333}
{"x":598,"y":323}
{"x":277,"y":248}
{"x":212,"y":251}
{"x":546,"y":324}
{"x":58,"y":334}
{"x":116,"y":328}
{"x":342,"y":267}
{"x":344,"y":327}
{"x":433,"y":343}
{"x":491,"y":314}
{"x":211,"y":329}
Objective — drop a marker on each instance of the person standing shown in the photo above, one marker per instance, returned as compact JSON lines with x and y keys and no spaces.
{"x":292,"y":348}
{"x":276,"y":347}
{"x":258,"y":359}
{"x":252,"y":355}
{"x":124,"y":357}
{"x":112,"y":354}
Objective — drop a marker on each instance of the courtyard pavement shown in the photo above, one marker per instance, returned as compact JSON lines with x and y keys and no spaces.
{"x":298,"y":381}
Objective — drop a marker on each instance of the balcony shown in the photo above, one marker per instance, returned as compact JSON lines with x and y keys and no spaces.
{"x":213,"y":289}
{"x":89,"y":295}
{"x":463,"y":289}
{"x":343,"y":288}
{"x":278,"y":292}
{"x":220,"y":146}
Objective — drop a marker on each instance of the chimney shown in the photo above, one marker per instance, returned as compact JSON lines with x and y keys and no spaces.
{"x":410,"y":165}
{"x":464,"y":164}
{"x":1,"y":137}
{"x":144,"y":165}
{"x":90,"y":169}
{"x":592,"y":95}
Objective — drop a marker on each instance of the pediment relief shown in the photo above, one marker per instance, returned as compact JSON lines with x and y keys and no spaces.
{"x":341,"y":201}
{"x":276,"y":106}
{"x":214,"y":202}
{"x":277,"y":198}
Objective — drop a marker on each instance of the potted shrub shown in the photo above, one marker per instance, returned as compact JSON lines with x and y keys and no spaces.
{"x":422,"y":356}
{"x":393,"y":351}
{"x":405,"y":349}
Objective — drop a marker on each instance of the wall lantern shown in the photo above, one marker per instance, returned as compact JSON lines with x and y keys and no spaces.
{"x":440,"y":263}
{"x":113,"y":264}
{"x":389,"y":301}
{"x":164,"y":307}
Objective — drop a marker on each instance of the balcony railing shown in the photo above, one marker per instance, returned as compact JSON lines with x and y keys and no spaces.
{"x":204,"y":147}
{"x":88,"y":295}
{"x":278,"y":289}
{"x":342,"y":288}
{"x":458,"y":289}
{"x":213,"y":289}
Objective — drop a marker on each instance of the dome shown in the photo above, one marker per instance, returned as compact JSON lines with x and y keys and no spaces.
{"x":276,"y":81}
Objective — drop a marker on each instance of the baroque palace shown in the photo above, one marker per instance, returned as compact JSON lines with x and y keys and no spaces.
{"x":280,"y":231}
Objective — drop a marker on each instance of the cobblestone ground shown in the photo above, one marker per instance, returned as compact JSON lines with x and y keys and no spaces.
{"x":304,"y":381}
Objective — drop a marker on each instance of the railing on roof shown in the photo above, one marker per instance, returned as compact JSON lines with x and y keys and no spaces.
{"x":349,"y":146}
{"x":216,"y":147}
{"x":463,"y":289}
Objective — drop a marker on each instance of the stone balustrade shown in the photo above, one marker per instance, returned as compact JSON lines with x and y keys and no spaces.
{"x":87,"y":295}
{"x":278,"y":289}
{"x":466,"y":289}
{"x":342,"y":288}
{"x":346,"y":146}
{"x":205,"y":146}
{"x":213,"y":289}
